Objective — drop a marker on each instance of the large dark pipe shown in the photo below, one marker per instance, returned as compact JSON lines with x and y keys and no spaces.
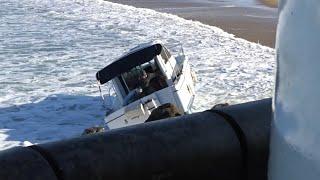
{"x":226,"y":144}
{"x":23,"y":163}
{"x":254,"y":119}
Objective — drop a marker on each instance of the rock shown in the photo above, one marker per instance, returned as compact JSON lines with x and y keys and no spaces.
{"x":220,"y":105}
{"x":93,"y":130}
{"x":164,"y":111}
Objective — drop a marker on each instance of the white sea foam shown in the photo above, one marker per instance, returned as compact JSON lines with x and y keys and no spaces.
{"x":50,"y":51}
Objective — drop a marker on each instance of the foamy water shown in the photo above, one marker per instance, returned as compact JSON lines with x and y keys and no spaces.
{"x":50,"y":51}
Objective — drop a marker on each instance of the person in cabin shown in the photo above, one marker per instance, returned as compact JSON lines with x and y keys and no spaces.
{"x":147,"y":84}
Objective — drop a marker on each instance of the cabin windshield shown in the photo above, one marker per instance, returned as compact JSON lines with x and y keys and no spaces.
{"x":143,"y":80}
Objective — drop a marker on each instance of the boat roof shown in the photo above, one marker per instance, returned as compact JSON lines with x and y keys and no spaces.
{"x":136,"y":57}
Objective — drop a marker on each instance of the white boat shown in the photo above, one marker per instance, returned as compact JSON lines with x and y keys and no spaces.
{"x":145,"y":78}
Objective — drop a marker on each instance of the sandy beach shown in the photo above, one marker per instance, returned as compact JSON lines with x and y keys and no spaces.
{"x":253,"y":20}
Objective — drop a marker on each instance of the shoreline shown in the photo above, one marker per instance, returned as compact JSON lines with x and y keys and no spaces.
{"x":255,"y":22}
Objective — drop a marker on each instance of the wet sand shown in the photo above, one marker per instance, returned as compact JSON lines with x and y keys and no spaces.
{"x":253,"y":20}
{"x":271,"y":3}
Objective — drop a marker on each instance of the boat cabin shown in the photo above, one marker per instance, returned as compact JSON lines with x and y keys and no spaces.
{"x":145,"y":78}
{"x":140,"y":73}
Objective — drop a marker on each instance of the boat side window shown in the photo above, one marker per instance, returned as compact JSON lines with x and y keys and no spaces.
{"x":165,"y":54}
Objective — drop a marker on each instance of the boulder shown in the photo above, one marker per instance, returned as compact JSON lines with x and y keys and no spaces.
{"x":164,"y":111}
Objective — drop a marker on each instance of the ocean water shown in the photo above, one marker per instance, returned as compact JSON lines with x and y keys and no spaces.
{"x":50,"y":51}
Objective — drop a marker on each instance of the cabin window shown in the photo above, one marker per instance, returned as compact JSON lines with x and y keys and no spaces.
{"x":131,"y":78}
{"x":165,"y":54}
{"x":146,"y":72}
{"x":125,"y":88}
{"x":144,"y":79}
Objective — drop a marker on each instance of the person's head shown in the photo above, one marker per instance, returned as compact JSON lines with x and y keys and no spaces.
{"x":143,"y":76}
